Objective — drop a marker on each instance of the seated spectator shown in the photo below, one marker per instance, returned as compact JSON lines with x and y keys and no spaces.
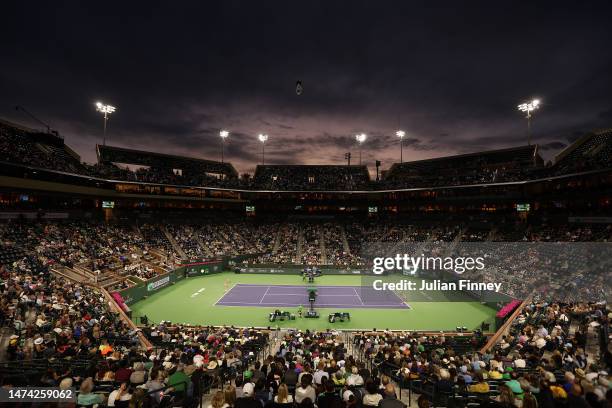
{"x":138,"y":399}
{"x":139,"y":374}
{"x":320,"y":373}
{"x":305,"y":389}
{"x":291,"y":375}
{"x":338,"y":379}
{"x":179,"y":380}
{"x":283,"y":396}
{"x":354,"y":379}
{"x":248,"y":399}
{"x":372,"y":397}
{"x":120,"y":394}
{"x":481,"y":386}
{"x":124,"y":372}
{"x":218,"y":400}
{"x":229,"y":396}
{"x":390,"y":399}
{"x":86,"y":396}
{"x":329,"y":398}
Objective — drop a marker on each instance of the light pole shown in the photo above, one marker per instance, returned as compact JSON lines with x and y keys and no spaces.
{"x":529,"y":107}
{"x":106,"y":110}
{"x":401,"y":134}
{"x":263,"y":138}
{"x":360,"y":139}
{"x":223,"y":134}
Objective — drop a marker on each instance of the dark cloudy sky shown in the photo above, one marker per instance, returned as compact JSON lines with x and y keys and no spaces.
{"x":449,"y":73}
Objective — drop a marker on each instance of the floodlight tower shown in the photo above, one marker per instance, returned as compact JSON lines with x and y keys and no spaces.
{"x":223,"y":134}
{"x":360,"y":139}
{"x":529,"y":107}
{"x":106,"y":110}
{"x":401,"y":134}
{"x":263,"y":138}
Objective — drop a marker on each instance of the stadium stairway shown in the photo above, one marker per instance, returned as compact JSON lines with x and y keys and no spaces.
{"x":592,"y":348}
{"x":173,"y":242}
{"x":345,"y":243}
{"x":322,"y":246}
{"x":300,"y":244}
{"x":199,"y":241}
{"x":277,"y":241}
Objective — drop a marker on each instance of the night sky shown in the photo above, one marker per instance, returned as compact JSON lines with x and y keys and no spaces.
{"x":450,"y":75}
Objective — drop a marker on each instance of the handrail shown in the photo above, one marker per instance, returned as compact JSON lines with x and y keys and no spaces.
{"x":141,"y":337}
{"x":504,"y":328}
{"x":144,"y":342}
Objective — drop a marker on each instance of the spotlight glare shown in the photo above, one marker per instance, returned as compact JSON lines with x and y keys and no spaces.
{"x":100,"y":107}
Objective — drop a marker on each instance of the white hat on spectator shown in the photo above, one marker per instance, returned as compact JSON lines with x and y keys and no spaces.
{"x":167,"y":365}
{"x":248,"y":389}
{"x":38,"y":341}
{"x":591,"y":376}
{"x":346,"y":395}
{"x":520,"y":363}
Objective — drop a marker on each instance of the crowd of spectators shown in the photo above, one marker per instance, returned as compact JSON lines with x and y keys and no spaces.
{"x":311,"y":253}
{"x":541,"y":360}
{"x":22,"y":147}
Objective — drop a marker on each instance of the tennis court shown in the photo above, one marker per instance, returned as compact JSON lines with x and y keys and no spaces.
{"x":355,"y":297}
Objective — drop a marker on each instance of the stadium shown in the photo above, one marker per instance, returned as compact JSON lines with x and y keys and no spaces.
{"x":161,"y":259}
{"x":153,"y":260}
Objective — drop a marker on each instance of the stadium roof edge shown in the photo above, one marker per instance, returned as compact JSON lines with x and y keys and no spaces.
{"x":137,"y":152}
{"x":534,"y":147}
{"x":374,"y":191}
{"x":579,"y":142}
{"x":19,"y":126}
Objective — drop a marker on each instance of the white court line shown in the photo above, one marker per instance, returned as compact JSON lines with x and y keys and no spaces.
{"x":359,"y":297}
{"x":264,"y":295}
{"x":223,"y":295}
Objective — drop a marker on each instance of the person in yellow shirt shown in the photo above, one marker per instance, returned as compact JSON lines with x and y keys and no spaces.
{"x":495,"y":374}
{"x":481,"y":386}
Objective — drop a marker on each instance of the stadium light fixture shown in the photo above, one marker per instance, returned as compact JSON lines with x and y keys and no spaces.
{"x":263,"y":138}
{"x":529,"y":107}
{"x":401,"y":134}
{"x":224,"y":135}
{"x":361,"y":137}
{"x":106,"y":110}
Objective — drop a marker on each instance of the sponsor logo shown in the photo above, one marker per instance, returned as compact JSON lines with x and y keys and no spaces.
{"x":158,"y":284}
